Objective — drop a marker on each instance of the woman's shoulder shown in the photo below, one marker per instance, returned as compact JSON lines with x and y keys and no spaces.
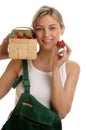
{"x":15,"y":62}
{"x":72,"y":66}
{"x":73,"y":63}
{"x":15,"y":65}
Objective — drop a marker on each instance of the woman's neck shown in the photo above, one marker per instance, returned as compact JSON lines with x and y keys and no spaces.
{"x":44,"y":61}
{"x":46,"y":56}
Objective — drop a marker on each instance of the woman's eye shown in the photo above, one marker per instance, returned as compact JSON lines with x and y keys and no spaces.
{"x":52,"y":28}
{"x":39,"y":29}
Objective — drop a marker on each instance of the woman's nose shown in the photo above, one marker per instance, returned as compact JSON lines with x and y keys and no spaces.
{"x":46,"y":32}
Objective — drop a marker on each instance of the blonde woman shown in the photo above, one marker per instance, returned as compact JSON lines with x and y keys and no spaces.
{"x":53,"y":79}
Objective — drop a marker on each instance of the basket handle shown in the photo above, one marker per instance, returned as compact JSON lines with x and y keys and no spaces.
{"x":22,"y":28}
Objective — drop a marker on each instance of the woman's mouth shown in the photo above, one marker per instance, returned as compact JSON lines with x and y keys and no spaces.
{"x":49,"y":41}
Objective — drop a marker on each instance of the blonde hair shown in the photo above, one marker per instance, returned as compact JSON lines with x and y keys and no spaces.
{"x":44,"y":10}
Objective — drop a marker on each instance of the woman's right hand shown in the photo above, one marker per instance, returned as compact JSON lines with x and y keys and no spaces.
{"x":4,"y":48}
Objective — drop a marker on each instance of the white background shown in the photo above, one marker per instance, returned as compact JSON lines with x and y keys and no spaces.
{"x":14,"y":13}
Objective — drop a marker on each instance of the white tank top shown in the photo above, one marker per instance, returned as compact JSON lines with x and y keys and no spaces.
{"x":40,"y":84}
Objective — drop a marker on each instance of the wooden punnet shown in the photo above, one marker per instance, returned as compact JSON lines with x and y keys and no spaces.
{"x":22,"y":44}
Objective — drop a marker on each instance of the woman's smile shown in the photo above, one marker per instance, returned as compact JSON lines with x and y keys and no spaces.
{"x":48,"y":41}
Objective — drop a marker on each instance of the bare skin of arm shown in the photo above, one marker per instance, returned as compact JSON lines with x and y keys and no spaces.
{"x":62,"y":97}
{"x":12,"y":70}
{"x":9,"y":77}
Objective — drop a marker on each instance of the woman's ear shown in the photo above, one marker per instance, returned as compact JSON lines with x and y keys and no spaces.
{"x":62,"y":30}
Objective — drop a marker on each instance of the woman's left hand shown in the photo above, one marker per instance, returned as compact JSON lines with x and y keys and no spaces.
{"x":62,"y":56}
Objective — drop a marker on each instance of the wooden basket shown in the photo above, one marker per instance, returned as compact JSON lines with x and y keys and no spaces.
{"x":22,"y":48}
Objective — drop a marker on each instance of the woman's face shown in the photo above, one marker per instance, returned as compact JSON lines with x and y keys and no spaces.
{"x":48,"y":31}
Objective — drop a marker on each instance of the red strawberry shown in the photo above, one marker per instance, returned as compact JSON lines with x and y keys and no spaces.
{"x":61,"y":47}
{"x":15,"y":36}
{"x":20,"y":34}
{"x":28,"y":34}
{"x":61,"y":44}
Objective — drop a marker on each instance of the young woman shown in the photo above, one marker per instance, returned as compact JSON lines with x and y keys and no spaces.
{"x":53,"y":79}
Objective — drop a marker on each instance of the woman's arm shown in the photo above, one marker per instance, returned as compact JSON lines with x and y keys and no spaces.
{"x":9,"y":76}
{"x":62,"y":97}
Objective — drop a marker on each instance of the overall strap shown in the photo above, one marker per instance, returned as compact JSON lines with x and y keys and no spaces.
{"x":17,"y":81}
{"x":24,"y":78}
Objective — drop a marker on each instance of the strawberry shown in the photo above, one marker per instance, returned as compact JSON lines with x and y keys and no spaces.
{"x":28,"y":34}
{"x":15,"y":36}
{"x":20,"y":34}
{"x":61,"y":47}
{"x":60,"y":44}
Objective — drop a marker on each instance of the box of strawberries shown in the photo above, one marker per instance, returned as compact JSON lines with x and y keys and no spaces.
{"x":22,"y":43}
